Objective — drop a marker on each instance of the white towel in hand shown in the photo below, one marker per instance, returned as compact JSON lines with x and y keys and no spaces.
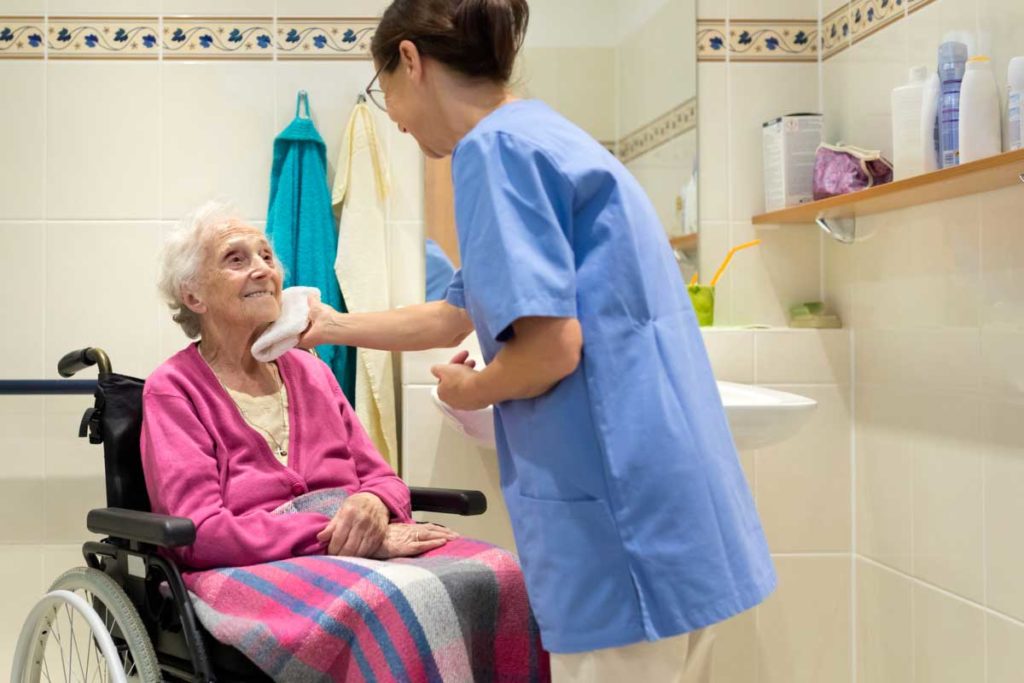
{"x":283,"y":333}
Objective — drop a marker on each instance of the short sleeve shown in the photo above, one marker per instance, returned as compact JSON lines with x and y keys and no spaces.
{"x":455,"y":295}
{"x":513,"y":208}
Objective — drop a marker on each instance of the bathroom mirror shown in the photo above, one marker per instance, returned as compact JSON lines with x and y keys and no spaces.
{"x":625,"y":72}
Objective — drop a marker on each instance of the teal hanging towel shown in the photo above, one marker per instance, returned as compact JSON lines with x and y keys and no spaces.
{"x":300,"y":225}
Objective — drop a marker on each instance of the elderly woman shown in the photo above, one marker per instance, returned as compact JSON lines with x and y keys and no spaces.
{"x":228,"y":440}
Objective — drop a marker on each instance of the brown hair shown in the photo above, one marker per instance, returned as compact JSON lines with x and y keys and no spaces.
{"x":478,"y":38}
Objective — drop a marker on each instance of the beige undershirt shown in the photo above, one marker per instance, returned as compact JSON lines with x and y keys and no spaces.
{"x":265,"y":413}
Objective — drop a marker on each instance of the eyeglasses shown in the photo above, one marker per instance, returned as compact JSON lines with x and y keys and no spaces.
{"x":377,"y":95}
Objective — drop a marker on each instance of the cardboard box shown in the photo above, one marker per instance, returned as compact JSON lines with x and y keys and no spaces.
{"x":790,"y":143}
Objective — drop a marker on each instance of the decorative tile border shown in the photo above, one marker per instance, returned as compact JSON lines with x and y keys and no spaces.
{"x":22,"y":37}
{"x":102,"y":37}
{"x":325,"y":38}
{"x":215,"y":38}
{"x":659,"y":131}
{"x":758,"y":41}
{"x":835,"y":31}
{"x":868,"y":16}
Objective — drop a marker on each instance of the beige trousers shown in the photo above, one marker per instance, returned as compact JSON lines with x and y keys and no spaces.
{"x":681,"y":659}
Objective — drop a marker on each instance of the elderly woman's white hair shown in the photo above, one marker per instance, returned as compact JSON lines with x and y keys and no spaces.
{"x":183,"y":255}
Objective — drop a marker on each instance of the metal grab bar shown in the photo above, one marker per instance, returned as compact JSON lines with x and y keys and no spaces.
{"x":53,"y":387}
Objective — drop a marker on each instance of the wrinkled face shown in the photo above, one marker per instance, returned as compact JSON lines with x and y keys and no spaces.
{"x":240,"y":283}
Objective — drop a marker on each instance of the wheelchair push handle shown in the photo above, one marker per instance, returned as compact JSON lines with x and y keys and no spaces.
{"x":80,"y":359}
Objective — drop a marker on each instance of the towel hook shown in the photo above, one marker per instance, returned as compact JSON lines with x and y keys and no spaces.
{"x":302,"y":99}
{"x":361,"y":98}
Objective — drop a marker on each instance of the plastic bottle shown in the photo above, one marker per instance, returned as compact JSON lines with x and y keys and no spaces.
{"x":952,"y":64}
{"x":1015,"y":104}
{"x":980,"y":132}
{"x":930,"y":124}
{"x":906,"y":124}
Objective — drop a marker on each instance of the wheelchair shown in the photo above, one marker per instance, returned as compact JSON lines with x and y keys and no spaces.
{"x":126,"y":615}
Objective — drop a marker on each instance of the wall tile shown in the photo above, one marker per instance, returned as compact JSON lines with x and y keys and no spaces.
{"x":758,"y":93}
{"x":949,"y":638}
{"x":202,"y":102}
{"x":784,"y":270}
{"x":330,"y":8}
{"x":22,"y":131}
{"x":57,"y":559}
{"x":1003,"y":438}
{"x":21,"y":487}
{"x":20,"y":588}
{"x":80,"y":8}
{"x":407,"y":263}
{"x":1002,"y":362}
{"x":67,"y":502}
{"x":884,"y":625}
{"x":21,"y":8}
{"x":884,"y":481}
{"x":731,"y":353}
{"x":118,"y":307}
{"x":102,"y":154}
{"x":946,"y":358}
{"x":812,"y":590}
{"x":1005,"y":650}
{"x":222,"y":8}
{"x":714,"y":245}
{"x":803,"y":484}
{"x":780,"y":9}
{"x":928,"y":26}
{"x":713,"y":130}
{"x":948,"y":492}
{"x":1002,"y":259}
{"x":22,"y":262}
{"x":734,"y":657}
{"x":803,"y":357}
{"x":406,"y":159}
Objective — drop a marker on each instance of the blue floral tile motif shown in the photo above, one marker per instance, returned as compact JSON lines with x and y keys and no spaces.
{"x":711,"y":45}
{"x":774,"y":41}
{"x":324,"y":38}
{"x":21,"y":37}
{"x":102,"y":38}
{"x":717,"y":43}
{"x":745,"y":38}
{"x":217,"y":38}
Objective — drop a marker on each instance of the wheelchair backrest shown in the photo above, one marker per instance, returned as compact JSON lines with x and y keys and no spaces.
{"x":116,"y":420}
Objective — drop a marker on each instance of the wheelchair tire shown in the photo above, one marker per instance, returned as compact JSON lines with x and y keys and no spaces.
{"x":117,"y":615}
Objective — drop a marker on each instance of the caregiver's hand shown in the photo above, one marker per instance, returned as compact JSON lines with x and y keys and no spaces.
{"x":455,"y":383}
{"x":358,"y":528}
{"x":319,"y":317}
{"x":406,"y":540}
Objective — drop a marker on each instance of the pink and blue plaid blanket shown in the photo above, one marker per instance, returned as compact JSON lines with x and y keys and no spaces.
{"x":458,"y":613}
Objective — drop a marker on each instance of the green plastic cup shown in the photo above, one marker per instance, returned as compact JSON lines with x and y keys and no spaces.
{"x":703,"y":299}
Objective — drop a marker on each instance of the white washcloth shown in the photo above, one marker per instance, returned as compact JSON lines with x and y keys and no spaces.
{"x":283,"y":333}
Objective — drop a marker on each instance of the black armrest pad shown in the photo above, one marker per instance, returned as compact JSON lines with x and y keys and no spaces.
{"x":451,"y":501}
{"x":147,"y":527}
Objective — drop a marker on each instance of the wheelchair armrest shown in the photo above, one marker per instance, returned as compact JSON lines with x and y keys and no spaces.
{"x":146,"y":527}
{"x":451,"y":501}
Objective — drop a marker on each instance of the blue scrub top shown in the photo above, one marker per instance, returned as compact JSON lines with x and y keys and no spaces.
{"x":630,"y":511}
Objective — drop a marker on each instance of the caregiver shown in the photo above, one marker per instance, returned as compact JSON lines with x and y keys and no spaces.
{"x":631,"y":514}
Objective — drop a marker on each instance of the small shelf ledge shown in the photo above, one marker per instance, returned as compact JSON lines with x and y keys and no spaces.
{"x":837,"y":215}
{"x":687,"y":243}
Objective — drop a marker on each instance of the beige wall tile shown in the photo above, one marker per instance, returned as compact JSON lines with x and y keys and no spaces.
{"x":68,"y":500}
{"x":713,"y":131}
{"x":102,"y":154}
{"x":586,"y":89}
{"x":1002,"y":259}
{"x":1002,"y":362}
{"x":104,"y":7}
{"x":803,"y":484}
{"x":948,"y":493}
{"x":884,"y":482}
{"x":804,"y":629}
{"x":734,"y":657}
{"x":803,"y":357}
{"x":885,"y":649}
{"x":22,"y":421}
{"x":1005,"y":650}
{"x":714,"y":245}
{"x":949,"y":638}
{"x":1003,"y":438}
{"x":22,"y":259}
{"x":327,"y":8}
{"x":57,"y":559}
{"x":22,"y":135}
{"x":940,"y":358}
{"x":731,"y":353}
{"x":201,"y":101}
{"x":223,"y":8}
{"x":118,"y":308}
{"x":20,"y":588}
{"x":927,"y":27}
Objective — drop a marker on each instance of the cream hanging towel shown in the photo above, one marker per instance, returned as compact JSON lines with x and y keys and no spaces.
{"x":361,"y":190}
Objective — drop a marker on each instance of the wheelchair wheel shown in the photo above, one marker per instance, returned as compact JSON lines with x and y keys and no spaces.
{"x":84,"y":629}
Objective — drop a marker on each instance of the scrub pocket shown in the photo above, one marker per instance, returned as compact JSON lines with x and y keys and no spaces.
{"x":575,"y":569}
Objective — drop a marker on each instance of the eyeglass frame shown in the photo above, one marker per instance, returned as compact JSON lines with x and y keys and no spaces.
{"x":372,"y":92}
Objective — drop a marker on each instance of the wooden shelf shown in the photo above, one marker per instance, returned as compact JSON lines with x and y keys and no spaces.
{"x":684,"y":242}
{"x":983,"y":175}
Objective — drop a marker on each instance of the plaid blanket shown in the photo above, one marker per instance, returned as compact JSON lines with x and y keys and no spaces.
{"x":457,"y":613}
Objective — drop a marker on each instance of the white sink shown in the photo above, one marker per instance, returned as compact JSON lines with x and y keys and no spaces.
{"x":758,"y":417}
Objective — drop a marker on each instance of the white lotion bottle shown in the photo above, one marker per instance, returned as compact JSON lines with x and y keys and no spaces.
{"x":907,"y":101}
{"x":1015,"y":104}
{"x":980,"y":120}
{"x":929,"y":149}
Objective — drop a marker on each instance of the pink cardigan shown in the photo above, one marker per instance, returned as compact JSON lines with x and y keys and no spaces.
{"x":202,"y":461}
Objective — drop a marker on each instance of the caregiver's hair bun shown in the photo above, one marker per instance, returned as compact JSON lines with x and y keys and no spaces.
{"x":478,"y":38}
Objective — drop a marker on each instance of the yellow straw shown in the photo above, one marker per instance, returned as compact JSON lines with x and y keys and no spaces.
{"x":728,"y":257}
{"x":693,"y":280}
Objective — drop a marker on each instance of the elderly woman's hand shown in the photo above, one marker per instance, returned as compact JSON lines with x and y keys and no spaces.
{"x":406,"y":540}
{"x":358,"y":528}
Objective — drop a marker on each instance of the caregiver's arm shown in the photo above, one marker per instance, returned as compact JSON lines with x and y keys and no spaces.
{"x":541,"y":353}
{"x":412,"y":328}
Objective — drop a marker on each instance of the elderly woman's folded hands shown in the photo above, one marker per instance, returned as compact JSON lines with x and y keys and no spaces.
{"x":360,"y":528}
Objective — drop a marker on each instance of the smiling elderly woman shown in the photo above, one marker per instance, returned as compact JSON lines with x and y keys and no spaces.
{"x":227,"y":440}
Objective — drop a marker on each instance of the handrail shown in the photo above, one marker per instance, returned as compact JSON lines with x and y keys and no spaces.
{"x":53,"y":387}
